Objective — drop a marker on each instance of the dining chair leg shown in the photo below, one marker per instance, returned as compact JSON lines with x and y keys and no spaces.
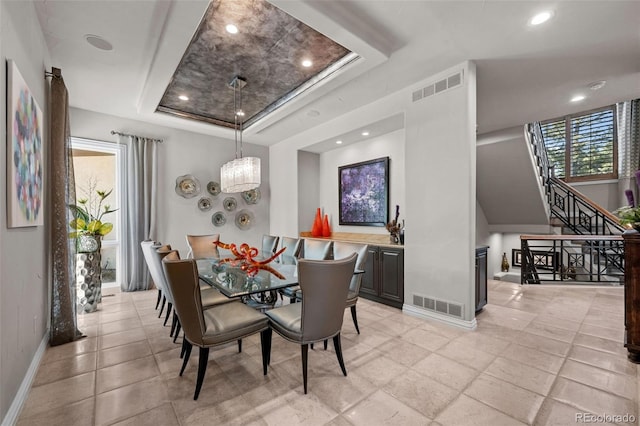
{"x":336,"y":344}
{"x":159,"y":298}
{"x":239,"y":345}
{"x":166,"y":318}
{"x":187,"y":353}
{"x":202,"y":368}
{"x":355,"y":318}
{"x":305,"y":355}
{"x":164,"y":300}
{"x":265,"y":344}
{"x":178,"y":327}
{"x":184,"y":347}
{"x":325,"y":344}
{"x":173,"y":323}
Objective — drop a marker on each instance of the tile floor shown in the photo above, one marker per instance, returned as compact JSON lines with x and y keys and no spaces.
{"x":540,"y":355}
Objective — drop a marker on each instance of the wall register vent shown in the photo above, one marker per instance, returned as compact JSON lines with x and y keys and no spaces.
{"x":438,"y":87}
{"x":439,"y":306}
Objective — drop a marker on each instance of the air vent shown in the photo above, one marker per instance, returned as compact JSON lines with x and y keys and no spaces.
{"x":438,"y":87}
{"x":439,"y":306}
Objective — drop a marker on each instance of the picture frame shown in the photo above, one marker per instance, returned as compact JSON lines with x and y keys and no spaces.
{"x":25,"y":157}
{"x":363,"y":190}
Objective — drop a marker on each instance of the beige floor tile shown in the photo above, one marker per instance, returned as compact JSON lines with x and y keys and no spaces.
{"x":121,"y":338}
{"x":554,"y":413}
{"x":77,"y":414}
{"x":232,"y":412}
{"x":130,"y":313}
{"x":379,"y":370}
{"x":403,"y":352}
{"x":598,"y":343}
{"x":604,"y":360}
{"x":510,"y":399}
{"x":118,"y":354}
{"x":121,"y":325}
{"x":467,"y":355}
{"x":296,"y":408}
{"x":616,"y":334}
{"x":469,"y":412}
{"x":339,"y":392}
{"x":122,"y":403}
{"x":125,"y":373}
{"x":65,"y":368}
{"x":533,"y":358}
{"x":56,"y":394}
{"x":82,"y":346}
{"x":524,"y":376}
{"x":618,"y":384}
{"x":545,"y":329}
{"x":489,"y":344}
{"x":544,"y":344}
{"x":507,"y":317}
{"x":381,"y":408}
{"x":426,"y":339}
{"x":161,"y":415}
{"x":421,"y":393}
{"x":446,"y":371}
{"x":589,"y":399}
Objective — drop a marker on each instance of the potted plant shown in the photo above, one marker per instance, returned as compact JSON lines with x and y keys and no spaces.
{"x":630,"y":214}
{"x":88,"y":227}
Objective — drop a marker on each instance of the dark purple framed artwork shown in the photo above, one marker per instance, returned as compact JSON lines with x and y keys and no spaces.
{"x":364,"y":193}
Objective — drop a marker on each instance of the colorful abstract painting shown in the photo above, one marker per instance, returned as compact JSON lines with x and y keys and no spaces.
{"x":364,"y":193}
{"x":25,"y":160}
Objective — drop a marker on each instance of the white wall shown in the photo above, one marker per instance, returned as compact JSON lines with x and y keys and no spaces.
{"x":308,"y":189}
{"x":24,"y":278}
{"x":184,"y":153}
{"x":388,"y":145}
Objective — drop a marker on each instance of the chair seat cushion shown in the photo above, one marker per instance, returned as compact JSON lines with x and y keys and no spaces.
{"x":231,"y":321}
{"x":290,"y":291}
{"x":287,"y":321}
{"x":211,"y":297}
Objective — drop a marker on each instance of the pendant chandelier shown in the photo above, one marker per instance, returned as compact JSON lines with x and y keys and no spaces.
{"x":242,"y":173}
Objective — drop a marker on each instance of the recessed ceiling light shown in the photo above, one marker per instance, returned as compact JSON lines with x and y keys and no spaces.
{"x":307,"y":63}
{"x":597,"y":85}
{"x":578,"y":98}
{"x":541,"y":18}
{"x":98,"y":42}
{"x":183,"y":97}
{"x":338,"y":142}
{"x":231,"y":29}
{"x":365,"y":133}
{"x":240,"y":113}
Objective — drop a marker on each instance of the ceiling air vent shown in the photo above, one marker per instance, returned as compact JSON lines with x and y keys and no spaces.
{"x":438,"y":87}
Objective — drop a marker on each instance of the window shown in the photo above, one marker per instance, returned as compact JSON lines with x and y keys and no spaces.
{"x":583,"y":146}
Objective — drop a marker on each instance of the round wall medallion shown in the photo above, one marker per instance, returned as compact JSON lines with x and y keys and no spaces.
{"x":230,"y":204}
{"x":213,"y":188}
{"x":187,"y":186}
{"x":218,"y":219}
{"x":204,"y":204}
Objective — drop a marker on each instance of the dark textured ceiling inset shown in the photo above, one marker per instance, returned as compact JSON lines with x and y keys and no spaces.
{"x":267,"y":51}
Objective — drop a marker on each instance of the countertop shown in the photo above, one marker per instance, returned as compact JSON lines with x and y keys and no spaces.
{"x":381,"y":240}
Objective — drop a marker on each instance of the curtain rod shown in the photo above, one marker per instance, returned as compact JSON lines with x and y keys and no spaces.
{"x":113,"y":132}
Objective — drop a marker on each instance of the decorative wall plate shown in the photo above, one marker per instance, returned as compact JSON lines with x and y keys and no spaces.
{"x":218,"y":219}
{"x":204,"y":204}
{"x":230,"y":204}
{"x":251,"y":196}
{"x":187,"y":186}
{"x":244,"y":219}
{"x":213,"y":188}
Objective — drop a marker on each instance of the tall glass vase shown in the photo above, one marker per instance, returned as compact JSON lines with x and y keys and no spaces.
{"x":89,"y":273}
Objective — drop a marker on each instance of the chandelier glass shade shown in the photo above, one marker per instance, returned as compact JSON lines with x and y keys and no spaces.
{"x":242,"y":173}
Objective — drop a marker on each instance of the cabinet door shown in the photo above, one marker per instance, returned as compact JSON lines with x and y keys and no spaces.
{"x":370,"y":276}
{"x":481,"y":279}
{"x":392,"y":274}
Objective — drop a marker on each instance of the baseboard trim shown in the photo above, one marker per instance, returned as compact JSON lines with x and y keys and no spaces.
{"x":21,"y":396}
{"x":446,"y":319}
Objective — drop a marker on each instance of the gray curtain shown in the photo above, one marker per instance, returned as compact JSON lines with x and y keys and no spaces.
{"x":628,"y":115}
{"x":140,"y":217}
{"x":62,"y":192}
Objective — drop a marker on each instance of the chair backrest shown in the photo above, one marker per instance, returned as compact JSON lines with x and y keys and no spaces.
{"x":269,"y":244}
{"x":292,"y":251}
{"x":342,"y":250}
{"x":148,"y":247}
{"x":182,"y":278}
{"x":156,"y":257}
{"x":202,"y":246}
{"x":324,"y":284}
{"x":316,"y":249}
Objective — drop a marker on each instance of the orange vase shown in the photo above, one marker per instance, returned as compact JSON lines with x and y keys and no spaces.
{"x":326,"y":230}
{"x":316,"y":229}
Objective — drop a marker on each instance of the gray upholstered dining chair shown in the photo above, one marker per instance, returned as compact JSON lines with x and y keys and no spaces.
{"x":215,"y":326}
{"x":311,"y":250}
{"x":269,"y":244}
{"x":342,"y":250}
{"x":202,"y":246}
{"x":292,"y":250}
{"x":155,"y":269}
{"x":145,"y":246}
{"x":209,"y":296}
{"x":325,"y":284}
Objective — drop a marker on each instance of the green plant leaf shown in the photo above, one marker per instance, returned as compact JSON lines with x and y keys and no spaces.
{"x":105,"y":228}
{"x":78,"y":223}
{"x":94,"y":226}
{"x":79,"y":212}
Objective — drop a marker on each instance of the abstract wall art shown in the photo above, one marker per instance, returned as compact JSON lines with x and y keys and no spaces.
{"x":364,"y":193}
{"x":25,"y":160}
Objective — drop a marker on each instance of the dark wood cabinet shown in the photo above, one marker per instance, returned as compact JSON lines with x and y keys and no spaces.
{"x":383,"y":279}
{"x":481,"y":277}
{"x":632,"y":294}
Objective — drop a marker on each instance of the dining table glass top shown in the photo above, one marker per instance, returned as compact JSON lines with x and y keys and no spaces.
{"x":233,"y":281}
